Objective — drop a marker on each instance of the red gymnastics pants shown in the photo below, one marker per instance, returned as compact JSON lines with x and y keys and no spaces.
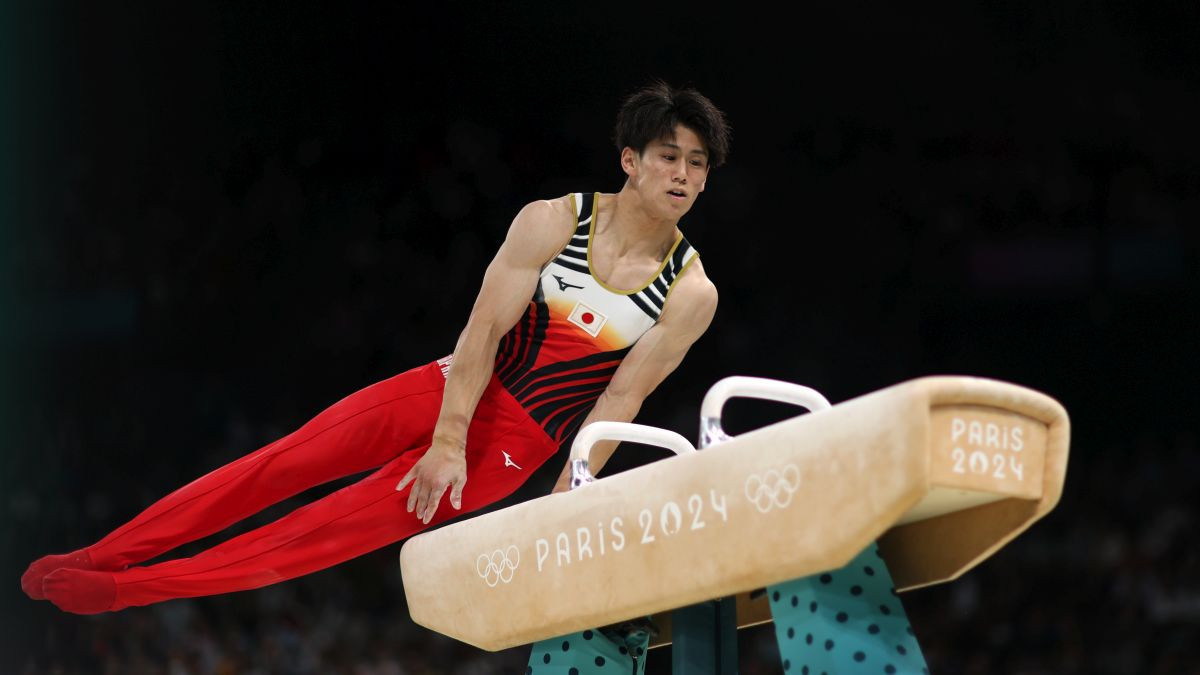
{"x":387,"y":425}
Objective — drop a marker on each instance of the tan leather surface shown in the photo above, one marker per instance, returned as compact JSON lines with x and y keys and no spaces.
{"x":789,"y":500}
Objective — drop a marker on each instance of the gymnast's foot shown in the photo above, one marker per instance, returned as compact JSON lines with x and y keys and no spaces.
{"x":80,"y":591}
{"x":31,"y":581}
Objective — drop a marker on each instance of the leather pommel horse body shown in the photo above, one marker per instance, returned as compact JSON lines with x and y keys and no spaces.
{"x":942,"y":471}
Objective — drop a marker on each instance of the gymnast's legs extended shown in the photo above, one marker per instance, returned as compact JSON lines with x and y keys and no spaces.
{"x":388,"y":425}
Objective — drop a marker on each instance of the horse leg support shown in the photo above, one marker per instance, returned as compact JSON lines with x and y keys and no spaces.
{"x":848,"y":620}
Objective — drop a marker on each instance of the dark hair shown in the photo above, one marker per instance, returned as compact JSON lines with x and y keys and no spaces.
{"x":652,"y":112}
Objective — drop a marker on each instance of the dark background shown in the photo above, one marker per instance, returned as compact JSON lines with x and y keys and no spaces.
{"x":221,"y":217}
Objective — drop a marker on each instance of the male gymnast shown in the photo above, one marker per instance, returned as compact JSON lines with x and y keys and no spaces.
{"x":590,"y":302}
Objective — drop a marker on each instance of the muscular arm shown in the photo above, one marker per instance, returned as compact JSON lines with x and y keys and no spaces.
{"x":658,"y":352}
{"x":538,"y":232}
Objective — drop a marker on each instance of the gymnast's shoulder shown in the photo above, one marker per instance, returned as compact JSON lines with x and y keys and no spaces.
{"x":545,"y":223}
{"x":693,"y":297}
{"x":558,"y":211}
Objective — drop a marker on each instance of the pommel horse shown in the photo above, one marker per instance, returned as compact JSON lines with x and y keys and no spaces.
{"x":940,"y":472}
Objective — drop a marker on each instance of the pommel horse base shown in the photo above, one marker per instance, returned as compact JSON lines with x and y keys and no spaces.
{"x":941,"y":471}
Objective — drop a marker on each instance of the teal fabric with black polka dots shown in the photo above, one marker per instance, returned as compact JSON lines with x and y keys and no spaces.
{"x":845,"y":621}
{"x":592,"y":652}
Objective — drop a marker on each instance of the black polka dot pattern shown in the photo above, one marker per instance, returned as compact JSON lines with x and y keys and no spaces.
{"x":851,"y":619}
{"x":590,"y":652}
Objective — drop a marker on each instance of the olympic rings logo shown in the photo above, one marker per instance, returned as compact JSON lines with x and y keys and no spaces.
{"x":773,"y":489}
{"x":499,"y":566}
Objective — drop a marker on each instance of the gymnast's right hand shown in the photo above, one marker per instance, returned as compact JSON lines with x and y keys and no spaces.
{"x":444,"y":465}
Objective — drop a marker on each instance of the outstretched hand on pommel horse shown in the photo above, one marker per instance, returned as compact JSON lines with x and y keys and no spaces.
{"x":941,"y":472}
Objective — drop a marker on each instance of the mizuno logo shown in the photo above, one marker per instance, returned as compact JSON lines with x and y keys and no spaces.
{"x":563,"y":285}
{"x":508,"y":460}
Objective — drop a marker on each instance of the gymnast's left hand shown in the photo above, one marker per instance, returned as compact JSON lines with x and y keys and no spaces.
{"x":444,"y":465}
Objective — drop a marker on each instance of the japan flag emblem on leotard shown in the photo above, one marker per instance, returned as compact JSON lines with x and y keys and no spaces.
{"x":587,"y":318}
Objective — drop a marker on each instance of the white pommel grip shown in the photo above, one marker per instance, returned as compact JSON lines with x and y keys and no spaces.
{"x":619,"y":431}
{"x":740,"y":386}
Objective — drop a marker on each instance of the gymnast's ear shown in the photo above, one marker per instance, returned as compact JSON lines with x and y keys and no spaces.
{"x":629,"y":161}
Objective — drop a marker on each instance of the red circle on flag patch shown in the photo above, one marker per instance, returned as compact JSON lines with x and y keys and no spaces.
{"x":587,"y":317}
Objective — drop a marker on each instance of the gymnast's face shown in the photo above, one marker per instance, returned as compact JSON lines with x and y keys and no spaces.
{"x":670,"y":173}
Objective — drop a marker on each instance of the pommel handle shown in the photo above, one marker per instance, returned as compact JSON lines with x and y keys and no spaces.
{"x":740,"y":386}
{"x":619,"y":431}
